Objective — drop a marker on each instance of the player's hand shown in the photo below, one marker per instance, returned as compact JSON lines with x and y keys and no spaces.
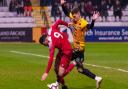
{"x":44,"y":76}
{"x":62,"y":2}
{"x":95,"y":15}
{"x":70,"y":24}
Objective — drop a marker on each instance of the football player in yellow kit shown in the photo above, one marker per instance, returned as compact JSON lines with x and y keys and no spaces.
{"x":80,"y":26}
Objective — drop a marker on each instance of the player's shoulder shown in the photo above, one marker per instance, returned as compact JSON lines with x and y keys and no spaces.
{"x":84,"y":22}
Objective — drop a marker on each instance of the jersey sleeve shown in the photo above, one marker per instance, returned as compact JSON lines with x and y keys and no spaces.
{"x":51,"y":58}
{"x":66,"y":11}
{"x":90,"y":26}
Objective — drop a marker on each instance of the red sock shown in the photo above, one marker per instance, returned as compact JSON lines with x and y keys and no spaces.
{"x":61,"y":80}
{"x":70,"y":67}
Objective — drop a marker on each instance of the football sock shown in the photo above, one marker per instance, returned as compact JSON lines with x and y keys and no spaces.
{"x":61,"y":80}
{"x":88,"y":73}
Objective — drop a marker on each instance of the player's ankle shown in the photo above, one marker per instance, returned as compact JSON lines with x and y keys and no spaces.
{"x":57,"y":83}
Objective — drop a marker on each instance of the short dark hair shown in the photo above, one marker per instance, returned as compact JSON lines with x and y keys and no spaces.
{"x":42,"y":39}
{"x":75,"y":10}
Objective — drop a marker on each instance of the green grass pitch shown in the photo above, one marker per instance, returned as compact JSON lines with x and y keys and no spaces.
{"x":23,"y":71}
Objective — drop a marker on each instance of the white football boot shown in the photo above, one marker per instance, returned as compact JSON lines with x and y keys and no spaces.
{"x":98,"y":82}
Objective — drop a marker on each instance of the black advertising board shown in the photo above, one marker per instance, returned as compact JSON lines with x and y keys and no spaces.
{"x":15,"y":34}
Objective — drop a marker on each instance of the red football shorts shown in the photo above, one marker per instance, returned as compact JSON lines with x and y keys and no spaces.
{"x":65,"y":59}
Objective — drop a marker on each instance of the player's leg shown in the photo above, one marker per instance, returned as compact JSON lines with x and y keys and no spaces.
{"x":81,"y":69}
{"x":65,"y":61}
{"x":60,"y":78}
{"x":60,"y":75}
{"x":69,"y":68}
{"x":60,"y":67}
{"x":63,"y":65}
{"x":79,"y":60}
{"x":56,"y":69}
{"x":56,"y":65}
{"x":68,"y":62}
{"x":88,"y":73}
{"x":73,"y":63}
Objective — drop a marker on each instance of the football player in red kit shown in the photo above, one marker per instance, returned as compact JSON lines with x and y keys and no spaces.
{"x":57,"y":40}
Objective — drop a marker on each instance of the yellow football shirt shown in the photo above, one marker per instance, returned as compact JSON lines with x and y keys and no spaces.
{"x":80,"y":27}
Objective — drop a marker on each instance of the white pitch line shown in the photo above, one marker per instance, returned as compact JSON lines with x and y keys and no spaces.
{"x":98,"y":66}
{"x":37,"y":55}
{"x":122,"y":70}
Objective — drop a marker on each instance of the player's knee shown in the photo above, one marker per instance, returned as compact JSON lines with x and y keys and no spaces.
{"x":80,"y":70}
{"x":74,"y":62}
{"x":61,"y":71}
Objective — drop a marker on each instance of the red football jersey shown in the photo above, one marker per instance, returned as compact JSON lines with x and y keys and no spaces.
{"x":57,"y":40}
